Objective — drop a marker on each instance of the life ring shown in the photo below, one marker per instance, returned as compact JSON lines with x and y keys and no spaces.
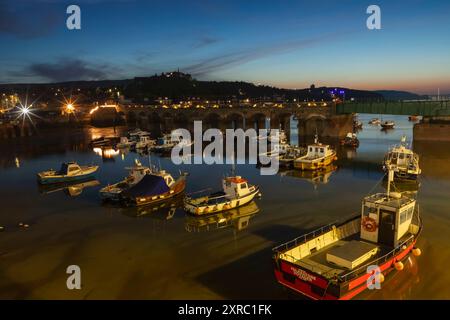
{"x":369,"y":224}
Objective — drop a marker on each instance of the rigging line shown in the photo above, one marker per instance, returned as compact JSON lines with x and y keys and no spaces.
{"x":377,"y":184}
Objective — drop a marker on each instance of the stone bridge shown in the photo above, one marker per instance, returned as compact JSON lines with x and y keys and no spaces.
{"x":319,"y":116}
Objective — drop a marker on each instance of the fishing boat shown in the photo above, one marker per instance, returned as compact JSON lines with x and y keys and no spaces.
{"x":144,"y":142}
{"x":286,"y":160}
{"x":166,"y":143}
{"x":317,"y":157}
{"x":403,"y":161}
{"x":386,"y":125}
{"x":236,"y":192}
{"x":341,"y":260}
{"x":350,"y":140}
{"x":375,"y":122}
{"x":69,"y":171}
{"x":154,"y":188}
{"x":136,"y":173}
{"x":238,"y":218}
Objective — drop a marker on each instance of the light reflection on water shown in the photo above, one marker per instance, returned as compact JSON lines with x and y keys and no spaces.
{"x":162,"y":254}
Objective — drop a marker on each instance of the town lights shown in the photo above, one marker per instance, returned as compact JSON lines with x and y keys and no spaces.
{"x":70,"y":108}
{"x":24,"y":110}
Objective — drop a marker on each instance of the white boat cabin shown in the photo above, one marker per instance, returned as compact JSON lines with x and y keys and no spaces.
{"x":318,"y":150}
{"x":69,"y":169}
{"x":236,"y":187}
{"x":402,"y":157}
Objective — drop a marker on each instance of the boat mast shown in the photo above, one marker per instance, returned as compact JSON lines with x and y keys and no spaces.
{"x":390,"y":179}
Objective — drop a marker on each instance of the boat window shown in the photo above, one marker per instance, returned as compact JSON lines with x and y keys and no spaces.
{"x":310,"y":149}
{"x":410,"y":213}
{"x":403,"y":216}
{"x":73,"y":169}
{"x":317,"y":149}
{"x":321,"y":150}
{"x":368,"y":210}
{"x":401,"y":156}
{"x":243,"y":186}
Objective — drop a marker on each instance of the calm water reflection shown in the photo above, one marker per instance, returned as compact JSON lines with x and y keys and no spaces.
{"x":163,"y":254}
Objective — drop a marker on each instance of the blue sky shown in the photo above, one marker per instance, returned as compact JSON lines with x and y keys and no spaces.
{"x":288,"y":44}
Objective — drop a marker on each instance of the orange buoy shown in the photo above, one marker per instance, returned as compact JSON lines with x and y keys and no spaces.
{"x":416,"y":252}
{"x":381,"y":277}
{"x":399,"y":266}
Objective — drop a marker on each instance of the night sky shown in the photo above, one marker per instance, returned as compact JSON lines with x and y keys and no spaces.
{"x":289,"y":44}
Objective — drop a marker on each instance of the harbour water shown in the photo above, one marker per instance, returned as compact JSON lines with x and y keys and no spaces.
{"x":165,"y":254}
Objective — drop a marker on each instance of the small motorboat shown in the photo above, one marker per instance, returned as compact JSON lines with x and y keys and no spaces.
{"x":317,"y":157}
{"x":403,"y":161}
{"x":165,"y":143}
{"x":236,"y":192}
{"x":386,"y":125}
{"x":144,"y":142}
{"x":136,"y":173}
{"x":334,"y":261}
{"x":413,"y":118}
{"x":351,"y":140}
{"x":375,"y":122}
{"x":103,"y":142}
{"x":154,"y":188}
{"x":125,"y":143}
{"x":69,"y":171}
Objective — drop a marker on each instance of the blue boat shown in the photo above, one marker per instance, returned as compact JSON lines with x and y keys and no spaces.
{"x":69,"y":171}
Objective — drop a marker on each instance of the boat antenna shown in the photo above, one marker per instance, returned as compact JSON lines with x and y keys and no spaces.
{"x":390,"y":179}
{"x":316,"y":137}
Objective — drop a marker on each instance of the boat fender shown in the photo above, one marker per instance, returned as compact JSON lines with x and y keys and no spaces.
{"x":381,"y":277}
{"x":399,"y":266}
{"x":416,"y":252}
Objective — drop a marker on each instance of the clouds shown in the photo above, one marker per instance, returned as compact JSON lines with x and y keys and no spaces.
{"x":231,"y":59}
{"x":25,"y":22}
{"x":68,"y":69}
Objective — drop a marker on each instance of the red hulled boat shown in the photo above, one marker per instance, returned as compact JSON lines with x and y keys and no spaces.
{"x":337,"y":261}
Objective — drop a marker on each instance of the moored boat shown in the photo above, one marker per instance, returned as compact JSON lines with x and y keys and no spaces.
{"x":125,"y":143}
{"x":236,"y":192}
{"x":413,"y":118}
{"x":387,"y":125}
{"x":154,"y":188}
{"x":69,"y":171}
{"x":403,"y":161}
{"x":341,"y":260}
{"x":144,"y":142}
{"x":286,"y":160}
{"x":136,"y":173}
{"x":317,"y":157}
{"x":375,"y":122}
{"x":351,"y":140}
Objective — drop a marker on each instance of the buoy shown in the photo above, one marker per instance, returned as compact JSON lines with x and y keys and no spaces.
{"x":416,"y":252}
{"x":381,"y":277}
{"x":25,"y":225}
{"x":398,"y":266}
{"x":20,"y":224}
{"x":2,"y":228}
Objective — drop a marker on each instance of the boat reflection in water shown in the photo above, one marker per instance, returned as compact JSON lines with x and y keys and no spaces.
{"x":238,"y":218}
{"x":403,"y":186}
{"x":314,"y":177}
{"x":107,"y":153}
{"x":71,"y":189}
{"x":162,"y":211}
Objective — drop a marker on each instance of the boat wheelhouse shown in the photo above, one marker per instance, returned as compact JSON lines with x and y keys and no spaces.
{"x":125,"y":142}
{"x":154,"y":188}
{"x":336,"y":261}
{"x":375,"y":122}
{"x":69,"y":172}
{"x":403,"y":161}
{"x":144,"y":142}
{"x":236,"y":192}
{"x":317,"y":157}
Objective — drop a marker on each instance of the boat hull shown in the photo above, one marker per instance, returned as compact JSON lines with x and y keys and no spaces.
{"x":221,"y":207}
{"x":64,"y":179}
{"x":316,"y":287}
{"x":315,"y":164}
